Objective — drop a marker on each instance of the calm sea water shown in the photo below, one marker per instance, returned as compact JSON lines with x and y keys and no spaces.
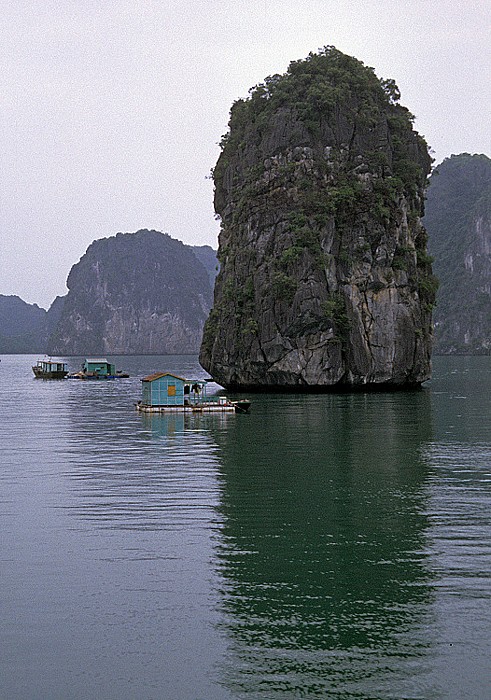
{"x":333,"y":546}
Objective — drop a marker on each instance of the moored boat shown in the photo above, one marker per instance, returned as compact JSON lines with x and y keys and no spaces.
{"x":50,"y":369}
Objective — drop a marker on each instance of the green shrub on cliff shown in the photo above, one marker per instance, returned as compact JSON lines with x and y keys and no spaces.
{"x":317,"y":87}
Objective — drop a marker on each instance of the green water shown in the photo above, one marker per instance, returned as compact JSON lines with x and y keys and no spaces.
{"x":333,"y":546}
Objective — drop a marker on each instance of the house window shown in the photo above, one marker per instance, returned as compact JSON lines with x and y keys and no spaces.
{"x":171,"y":390}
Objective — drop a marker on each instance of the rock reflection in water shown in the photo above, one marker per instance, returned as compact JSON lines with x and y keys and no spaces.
{"x":326,"y":585}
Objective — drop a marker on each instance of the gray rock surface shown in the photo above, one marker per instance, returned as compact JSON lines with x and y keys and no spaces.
{"x":324,"y":277}
{"x":458,"y":220}
{"x":134,"y":293}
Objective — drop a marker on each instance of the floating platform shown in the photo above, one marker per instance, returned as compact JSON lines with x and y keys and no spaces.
{"x":219,"y":406}
{"x":88,"y":375}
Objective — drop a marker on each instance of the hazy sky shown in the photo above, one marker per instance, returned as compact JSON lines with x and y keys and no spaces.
{"x":112,"y":109}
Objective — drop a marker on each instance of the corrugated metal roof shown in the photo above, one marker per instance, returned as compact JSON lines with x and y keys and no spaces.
{"x":158,"y":375}
{"x":96,"y":359}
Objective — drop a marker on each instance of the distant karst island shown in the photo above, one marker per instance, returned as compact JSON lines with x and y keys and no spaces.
{"x":25,"y":328}
{"x":458,"y":220}
{"x":132,"y":293}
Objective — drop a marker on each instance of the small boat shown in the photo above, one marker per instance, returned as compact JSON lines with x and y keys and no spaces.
{"x":223,"y":404}
{"x":242,"y":405}
{"x":164,"y":392}
{"x":98,"y":368}
{"x":50,"y":369}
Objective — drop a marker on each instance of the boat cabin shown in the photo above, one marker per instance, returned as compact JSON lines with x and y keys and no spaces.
{"x":98,"y":367}
{"x":50,"y":369}
{"x":167,"y":390}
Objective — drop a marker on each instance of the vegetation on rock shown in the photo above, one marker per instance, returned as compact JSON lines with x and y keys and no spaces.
{"x":320,"y":189}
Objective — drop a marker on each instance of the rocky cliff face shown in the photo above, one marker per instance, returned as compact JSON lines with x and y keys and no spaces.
{"x":324,"y":280}
{"x":134,"y":293}
{"x":458,"y":220}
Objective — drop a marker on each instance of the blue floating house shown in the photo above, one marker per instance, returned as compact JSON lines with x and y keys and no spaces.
{"x":164,"y":391}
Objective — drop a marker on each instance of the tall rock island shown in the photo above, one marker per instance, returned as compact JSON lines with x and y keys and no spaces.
{"x":135,"y":293}
{"x":458,"y":220}
{"x":325,"y":279}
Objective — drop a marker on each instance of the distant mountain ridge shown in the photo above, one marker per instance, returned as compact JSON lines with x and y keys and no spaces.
{"x":25,"y":328}
{"x":207,"y":257}
{"x":458,"y":221}
{"x":18,"y":317}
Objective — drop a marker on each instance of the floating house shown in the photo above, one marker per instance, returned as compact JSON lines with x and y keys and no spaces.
{"x":98,"y":368}
{"x":163,"y":392}
{"x":50,"y":369}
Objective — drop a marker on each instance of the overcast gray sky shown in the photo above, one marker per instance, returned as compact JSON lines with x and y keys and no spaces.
{"x":112,"y":109}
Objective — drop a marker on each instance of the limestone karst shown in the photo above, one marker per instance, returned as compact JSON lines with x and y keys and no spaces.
{"x":325,"y":278}
{"x":134,"y":293}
